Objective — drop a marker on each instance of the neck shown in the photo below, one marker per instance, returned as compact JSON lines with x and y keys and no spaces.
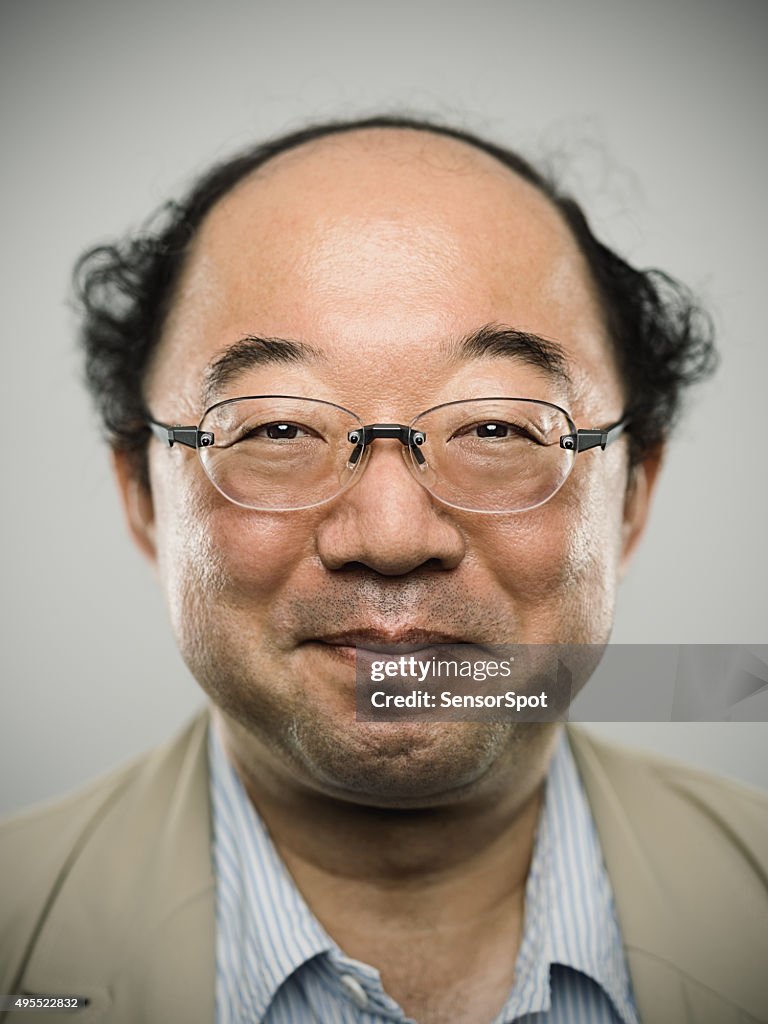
{"x":460,"y":862}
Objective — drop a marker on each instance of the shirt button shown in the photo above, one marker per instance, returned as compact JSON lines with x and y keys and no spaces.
{"x":354,"y":990}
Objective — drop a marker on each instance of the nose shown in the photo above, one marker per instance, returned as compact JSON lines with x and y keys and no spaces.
{"x":387,"y":522}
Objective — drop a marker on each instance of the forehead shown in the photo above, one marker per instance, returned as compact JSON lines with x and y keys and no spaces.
{"x":376,"y":249}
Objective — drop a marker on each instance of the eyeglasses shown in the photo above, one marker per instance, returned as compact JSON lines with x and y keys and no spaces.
{"x":279,"y":453}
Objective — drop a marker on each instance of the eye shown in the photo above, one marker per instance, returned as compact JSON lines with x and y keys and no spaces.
{"x":492,"y":429}
{"x":277,"y":432}
{"x":495,"y":430}
{"x":282,"y":431}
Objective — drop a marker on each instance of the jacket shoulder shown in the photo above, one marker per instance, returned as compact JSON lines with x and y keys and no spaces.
{"x":40,"y":847}
{"x":738,"y":813}
{"x":36,"y":847}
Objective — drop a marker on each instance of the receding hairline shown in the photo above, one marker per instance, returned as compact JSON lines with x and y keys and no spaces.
{"x":422,"y":141}
{"x":373,"y":137}
{"x":439,"y":152}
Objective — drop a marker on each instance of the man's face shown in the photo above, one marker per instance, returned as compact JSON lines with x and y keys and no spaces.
{"x":378,"y":250}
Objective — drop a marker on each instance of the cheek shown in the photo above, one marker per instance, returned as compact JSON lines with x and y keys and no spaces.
{"x":217,"y":560}
{"x":558,"y":564}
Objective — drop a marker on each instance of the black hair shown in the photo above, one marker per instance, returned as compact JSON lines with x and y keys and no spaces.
{"x":662,"y":337}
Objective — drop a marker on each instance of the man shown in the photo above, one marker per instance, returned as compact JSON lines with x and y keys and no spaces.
{"x":265,"y":364}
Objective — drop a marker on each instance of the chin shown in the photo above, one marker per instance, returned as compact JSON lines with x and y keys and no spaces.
{"x":404,"y":765}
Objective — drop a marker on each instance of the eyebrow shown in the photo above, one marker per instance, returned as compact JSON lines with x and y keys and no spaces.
{"x":497,"y":340}
{"x":252,"y":351}
{"x":245,"y":354}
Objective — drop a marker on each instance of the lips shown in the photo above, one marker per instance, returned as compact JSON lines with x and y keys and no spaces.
{"x":367,"y":644}
{"x":386,"y":641}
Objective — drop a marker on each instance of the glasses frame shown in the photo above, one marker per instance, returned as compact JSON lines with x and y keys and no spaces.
{"x":576,"y":440}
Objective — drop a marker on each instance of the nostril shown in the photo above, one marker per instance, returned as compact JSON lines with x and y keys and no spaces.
{"x":355,"y":567}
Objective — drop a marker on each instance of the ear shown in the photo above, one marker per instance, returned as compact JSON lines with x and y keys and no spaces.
{"x":137,"y":503}
{"x":637,"y":503}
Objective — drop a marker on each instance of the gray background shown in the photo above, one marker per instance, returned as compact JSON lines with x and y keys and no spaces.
{"x":657,"y":111}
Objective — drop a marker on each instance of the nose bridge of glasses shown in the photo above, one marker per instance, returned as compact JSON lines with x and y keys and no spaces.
{"x":366,"y":435}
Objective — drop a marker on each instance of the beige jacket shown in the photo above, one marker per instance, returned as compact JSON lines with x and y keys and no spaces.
{"x":109,"y":893}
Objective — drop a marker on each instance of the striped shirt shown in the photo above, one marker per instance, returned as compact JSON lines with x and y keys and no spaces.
{"x":276,"y":964}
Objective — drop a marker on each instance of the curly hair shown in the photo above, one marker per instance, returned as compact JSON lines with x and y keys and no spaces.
{"x":663,"y":339}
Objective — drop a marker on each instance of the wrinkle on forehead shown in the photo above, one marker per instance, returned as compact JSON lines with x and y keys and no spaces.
{"x":389,"y":257}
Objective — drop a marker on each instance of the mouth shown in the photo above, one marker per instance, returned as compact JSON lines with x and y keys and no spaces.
{"x":349,"y":645}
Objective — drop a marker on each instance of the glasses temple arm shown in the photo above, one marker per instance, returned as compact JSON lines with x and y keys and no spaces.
{"x":583,"y":440}
{"x":192,"y":437}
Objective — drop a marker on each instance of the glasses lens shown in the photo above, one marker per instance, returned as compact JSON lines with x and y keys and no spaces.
{"x":494,"y":455}
{"x":278,"y":453}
